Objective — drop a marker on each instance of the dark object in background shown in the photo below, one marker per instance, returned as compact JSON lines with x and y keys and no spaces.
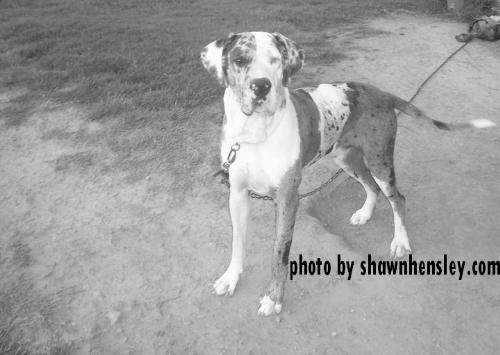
{"x":486,"y":27}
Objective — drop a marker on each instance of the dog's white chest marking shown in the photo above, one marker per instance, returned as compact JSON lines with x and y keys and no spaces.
{"x":334,"y":109}
{"x":269,"y":147}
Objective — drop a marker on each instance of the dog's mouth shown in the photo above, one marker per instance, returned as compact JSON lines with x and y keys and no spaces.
{"x":248,"y":107}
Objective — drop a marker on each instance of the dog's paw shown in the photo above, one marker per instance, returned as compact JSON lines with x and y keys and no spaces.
{"x":360,"y":217}
{"x":268,"y":306}
{"x":400,"y":247}
{"x":226,"y":284}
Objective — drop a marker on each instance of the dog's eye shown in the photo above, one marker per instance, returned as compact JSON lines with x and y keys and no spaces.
{"x":240,"y":61}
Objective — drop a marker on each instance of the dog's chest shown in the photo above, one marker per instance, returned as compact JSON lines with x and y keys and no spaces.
{"x":267,"y":165}
{"x":261,"y":166}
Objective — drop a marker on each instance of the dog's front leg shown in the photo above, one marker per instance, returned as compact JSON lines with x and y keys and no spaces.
{"x":238,"y":208}
{"x":286,"y":209}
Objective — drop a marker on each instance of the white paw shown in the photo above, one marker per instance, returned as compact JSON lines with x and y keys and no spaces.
{"x":400,"y":247}
{"x":226,"y":284}
{"x":360,"y":217}
{"x":268,"y":306}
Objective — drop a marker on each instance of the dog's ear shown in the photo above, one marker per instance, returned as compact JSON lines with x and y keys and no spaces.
{"x":214,"y":57}
{"x":292,"y":56}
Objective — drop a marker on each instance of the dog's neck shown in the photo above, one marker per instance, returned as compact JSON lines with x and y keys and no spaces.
{"x":255,"y":128}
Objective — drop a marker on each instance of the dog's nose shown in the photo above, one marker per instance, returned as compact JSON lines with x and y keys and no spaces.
{"x":260,"y":87}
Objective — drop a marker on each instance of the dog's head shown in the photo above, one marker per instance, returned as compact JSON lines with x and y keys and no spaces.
{"x":256,"y":66}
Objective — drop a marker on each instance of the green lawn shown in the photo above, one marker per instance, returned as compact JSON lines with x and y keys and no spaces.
{"x":123,"y":56}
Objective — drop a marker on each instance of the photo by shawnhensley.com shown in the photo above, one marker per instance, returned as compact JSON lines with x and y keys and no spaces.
{"x":371,"y":266}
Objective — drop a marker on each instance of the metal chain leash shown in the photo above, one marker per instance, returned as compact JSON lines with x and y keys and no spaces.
{"x":323,"y":185}
{"x":259,"y":197}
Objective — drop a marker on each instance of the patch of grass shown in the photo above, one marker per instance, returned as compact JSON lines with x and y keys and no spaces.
{"x":17,"y":112}
{"x":28,"y":321}
{"x":35,"y":51}
{"x":112,"y":108}
{"x":146,"y":50}
{"x":15,"y":116}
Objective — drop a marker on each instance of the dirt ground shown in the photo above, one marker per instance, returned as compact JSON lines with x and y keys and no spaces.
{"x":112,"y":264}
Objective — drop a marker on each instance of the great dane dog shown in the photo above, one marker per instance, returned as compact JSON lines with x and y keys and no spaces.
{"x":271,"y":133}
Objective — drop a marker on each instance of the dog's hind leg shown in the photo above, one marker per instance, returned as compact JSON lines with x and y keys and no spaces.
{"x":351,"y":161}
{"x":381,"y":165}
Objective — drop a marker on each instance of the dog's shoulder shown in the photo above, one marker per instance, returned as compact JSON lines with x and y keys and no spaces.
{"x":304,"y":104}
{"x":308,"y":118}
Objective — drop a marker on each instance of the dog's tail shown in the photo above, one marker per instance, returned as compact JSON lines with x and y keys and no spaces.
{"x":409,"y":109}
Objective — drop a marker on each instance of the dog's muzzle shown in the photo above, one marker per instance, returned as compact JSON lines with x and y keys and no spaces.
{"x":260,"y":88}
